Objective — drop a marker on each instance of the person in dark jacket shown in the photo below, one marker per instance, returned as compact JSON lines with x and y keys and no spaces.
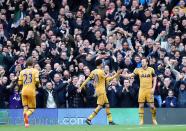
{"x":164,"y":89}
{"x":182,"y":95}
{"x":171,"y":100}
{"x":75,"y":99}
{"x":89,"y":92}
{"x":127,"y":95}
{"x":60,"y":89}
{"x":112,"y":93}
{"x":2,"y":96}
{"x":40,"y":97}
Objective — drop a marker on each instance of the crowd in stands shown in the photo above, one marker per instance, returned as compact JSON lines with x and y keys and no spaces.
{"x":65,"y":37}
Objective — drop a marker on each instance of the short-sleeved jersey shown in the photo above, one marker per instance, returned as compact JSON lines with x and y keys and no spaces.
{"x":29,"y":78}
{"x":99,"y":80}
{"x":99,"y":77}
{"x":145,"y":76}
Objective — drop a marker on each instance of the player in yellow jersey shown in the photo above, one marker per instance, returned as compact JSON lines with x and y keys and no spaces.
{"x":147,"y":87}
{"x":29,"y":80}
{"x":100,"y":81}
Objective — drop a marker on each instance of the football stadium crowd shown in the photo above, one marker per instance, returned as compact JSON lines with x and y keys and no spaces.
{"x":65,"y":37}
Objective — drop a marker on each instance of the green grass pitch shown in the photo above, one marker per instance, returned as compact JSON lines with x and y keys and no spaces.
{"x":96,"y":128}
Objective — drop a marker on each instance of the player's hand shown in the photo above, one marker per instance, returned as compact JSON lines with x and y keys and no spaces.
{"x":119,"y":71}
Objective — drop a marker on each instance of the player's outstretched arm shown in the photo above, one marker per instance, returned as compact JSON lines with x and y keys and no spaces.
{"x":87,"y":80}
{"x":135,"y":72}
{"x":116,"y":75}
{"x":130,"y":75}
{"x":126,"y":75}
{"x":83,"y":85}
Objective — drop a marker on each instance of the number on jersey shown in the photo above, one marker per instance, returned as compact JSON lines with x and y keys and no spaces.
{"x":27,"y":79}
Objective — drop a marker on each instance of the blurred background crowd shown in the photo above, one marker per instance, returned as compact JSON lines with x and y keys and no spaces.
{"x":66,"y":36}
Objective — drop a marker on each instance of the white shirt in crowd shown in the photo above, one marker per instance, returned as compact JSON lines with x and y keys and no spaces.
{"x":50,"y":101}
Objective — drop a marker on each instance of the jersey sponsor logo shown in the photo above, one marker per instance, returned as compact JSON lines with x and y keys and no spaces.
{"x":145,"y":75}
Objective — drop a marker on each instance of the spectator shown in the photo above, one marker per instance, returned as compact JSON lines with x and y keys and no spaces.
{"x":157,"y":94}
{"x":127,"y":95}
{"x":182,"y":95}
{"x":89,"y":93}
{"x":60,"y":88}
{"x":13,"y":90}
{"x":3,"y":38}
{"x":165,"y":88}
{"x":171,"y":100}
{"x":112,"y":93}
{"x":15,"y":99}
{"x":75,"y":99}
{"x":101,"y":9}
{"x":50,"y":100}
{"x":2,"y":95}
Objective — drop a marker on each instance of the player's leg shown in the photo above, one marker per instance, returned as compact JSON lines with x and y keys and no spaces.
{"x":153,"y":111}
{"x":141,"y":101}
{"x":100,"y":103}
{"x":107,"y":106}
{"x":25,"y":109}
{"x":95,"y":112}
{"x":109,"y":115}
{"x":31,"y":105}
{"x":141,"y":113}
{"x":150,"y":100}
{"x":25,"y":103}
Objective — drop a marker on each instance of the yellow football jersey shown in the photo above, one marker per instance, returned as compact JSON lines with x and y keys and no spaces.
{"x":145,"y":76}
{"x":29,"y":77}
{"x":100,"y":80}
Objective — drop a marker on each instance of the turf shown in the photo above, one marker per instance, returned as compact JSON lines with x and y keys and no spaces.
{"x":96,"y":128}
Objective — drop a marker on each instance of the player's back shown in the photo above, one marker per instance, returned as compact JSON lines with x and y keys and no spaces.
{"x":29,"y":77}
{"x":99,"y":80}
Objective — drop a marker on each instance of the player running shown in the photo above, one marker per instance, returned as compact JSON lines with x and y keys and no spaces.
{"x":147,"y":87}
{"x":29,"y":80}
{"x":100,"y":81}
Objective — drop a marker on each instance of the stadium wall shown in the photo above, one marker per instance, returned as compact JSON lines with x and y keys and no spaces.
{"x":125,"y":116}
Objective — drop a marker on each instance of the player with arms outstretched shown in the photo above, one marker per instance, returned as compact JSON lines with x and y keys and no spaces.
{"x":147,"y":87}
{"x":100,"y":81}
{"x":28,"y":80}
